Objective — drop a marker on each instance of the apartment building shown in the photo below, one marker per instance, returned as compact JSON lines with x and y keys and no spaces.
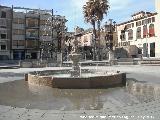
{"x":5,"y":32}
{"x":140,"y":35}
{"x":31,"y":33}
{"x":36,"y":33}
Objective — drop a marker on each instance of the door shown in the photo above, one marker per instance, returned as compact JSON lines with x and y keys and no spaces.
{"x":152,"y":49}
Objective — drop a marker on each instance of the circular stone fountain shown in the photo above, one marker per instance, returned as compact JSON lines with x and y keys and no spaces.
{"x":76,"y":77}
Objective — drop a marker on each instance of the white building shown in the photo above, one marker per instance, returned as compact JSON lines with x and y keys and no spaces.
{"x":141,"y":34}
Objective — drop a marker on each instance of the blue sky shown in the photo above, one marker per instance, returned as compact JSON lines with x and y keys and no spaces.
{"x":120,"y":10}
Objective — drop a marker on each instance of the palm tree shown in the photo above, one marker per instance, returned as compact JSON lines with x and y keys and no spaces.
{"x":94,"y":11}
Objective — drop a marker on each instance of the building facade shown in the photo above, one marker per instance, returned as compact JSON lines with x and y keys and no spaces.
{"x":140,"y":35}
{"x":86,"y":41}
{"x":5,"y":32}
{"x":35,"y":33}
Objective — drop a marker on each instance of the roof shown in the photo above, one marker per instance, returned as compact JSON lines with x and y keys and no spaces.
{"x":148,"y":15}
{"x":138,"y":13}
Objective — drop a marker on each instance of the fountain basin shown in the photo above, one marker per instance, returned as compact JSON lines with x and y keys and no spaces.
{"x":86,"y":81}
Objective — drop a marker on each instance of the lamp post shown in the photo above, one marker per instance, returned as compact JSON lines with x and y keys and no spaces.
{"x":110,"y":29}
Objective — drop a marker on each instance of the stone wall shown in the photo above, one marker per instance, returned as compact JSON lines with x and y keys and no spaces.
{"x":39,"y":80}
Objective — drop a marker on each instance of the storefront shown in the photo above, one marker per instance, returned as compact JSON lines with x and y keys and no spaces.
{"x":18,"y":54}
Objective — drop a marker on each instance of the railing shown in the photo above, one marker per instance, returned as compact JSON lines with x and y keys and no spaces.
{"x":32,"y":26}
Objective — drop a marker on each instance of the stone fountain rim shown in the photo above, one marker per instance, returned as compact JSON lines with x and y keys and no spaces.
{"x":87,"y":70}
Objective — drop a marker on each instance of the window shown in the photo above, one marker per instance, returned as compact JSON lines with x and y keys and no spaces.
{"x":120,"y":36}
{"x":3,"y":14}
{"x":18,"y":21}
{"x":146,"y":21}
{"x":18,"y":32}
{"x":151,"y":30}
{"x":132,"y":25}
{"x":3,"y":36}
{"x":138,"y":34}
{"x":152,"y":49}
{"x":33,"y":33}
{"x":149,"y":20}
{"x":3,"y":47}
{"x":123,"y":36}
{"x":138,"y":23}
{"x":128,"y":26}
{"x":85,"y":39}
{"x":145,"y":31}
{"x":31,"y":22}
{"x":130,"y":34}
{"x":18,"y":43}
{"x":3,"y":23}
{"x":31,"y":43}
{"x":143,"y":22}
{"x":153,"y":19}
{"x":110,"y":37}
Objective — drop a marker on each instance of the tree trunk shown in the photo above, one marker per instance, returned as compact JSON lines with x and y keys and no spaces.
{"x":98,"y":36}
{"x":94,"y":41}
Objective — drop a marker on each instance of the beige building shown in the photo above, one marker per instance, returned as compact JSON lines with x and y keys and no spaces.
{"x":140,"y":35}
{"x":86,"y":43}
{"x":5,"y":32}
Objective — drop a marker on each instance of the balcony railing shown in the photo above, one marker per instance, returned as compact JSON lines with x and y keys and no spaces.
{"x":32,"y":35}
{"x":31,"y":47}
{"x":32,"y":26}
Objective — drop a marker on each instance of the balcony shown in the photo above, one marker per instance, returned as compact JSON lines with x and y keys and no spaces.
{"x":33,"y":26}
{"x":32,"y":34}
{"x":18,"y":47}
{"x":32,"y":44}
{"x":18,"y":37}
{"x":32,"y":15}
{"x":31,"y":37}
{"x":32,"y":23}
{"x":18,"y":26}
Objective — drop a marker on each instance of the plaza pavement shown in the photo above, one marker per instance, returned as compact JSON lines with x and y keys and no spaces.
{"x":145,"y":111}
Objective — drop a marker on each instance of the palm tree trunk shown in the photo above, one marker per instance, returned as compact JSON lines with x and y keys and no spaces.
{"x":99,"y":53}
{"x":94,"y":41}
